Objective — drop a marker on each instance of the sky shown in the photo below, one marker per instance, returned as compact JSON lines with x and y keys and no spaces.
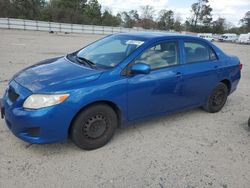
{"x":232,"y":10}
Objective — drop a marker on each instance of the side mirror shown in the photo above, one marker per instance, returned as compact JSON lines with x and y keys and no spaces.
{"x":140,"y":68}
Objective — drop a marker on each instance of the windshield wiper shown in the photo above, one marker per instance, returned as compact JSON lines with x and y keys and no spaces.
{"x":82,"y":59}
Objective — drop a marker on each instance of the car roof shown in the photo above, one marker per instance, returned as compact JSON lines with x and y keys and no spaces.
{"x":157,"y":35}
{"x":154,"y":36}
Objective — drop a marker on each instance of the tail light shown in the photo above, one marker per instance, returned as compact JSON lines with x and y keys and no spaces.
{"x":240,"y":65}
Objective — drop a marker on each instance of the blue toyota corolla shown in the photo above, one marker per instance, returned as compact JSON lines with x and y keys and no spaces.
{"x":114,"y":81}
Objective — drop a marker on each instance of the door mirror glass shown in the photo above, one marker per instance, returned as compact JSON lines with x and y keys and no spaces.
{"x":140,"y":68}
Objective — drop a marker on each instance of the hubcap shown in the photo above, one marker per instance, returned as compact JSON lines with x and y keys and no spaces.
{"x":218,"y":98}
{"x":95,"y":126}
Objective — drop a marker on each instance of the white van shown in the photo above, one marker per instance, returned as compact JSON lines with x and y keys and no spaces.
{"x":244,"y":38}
{"x":207,"y":36}
{"x":228,"y":37}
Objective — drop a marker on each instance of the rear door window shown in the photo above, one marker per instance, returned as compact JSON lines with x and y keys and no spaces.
{"x":198,"y":52}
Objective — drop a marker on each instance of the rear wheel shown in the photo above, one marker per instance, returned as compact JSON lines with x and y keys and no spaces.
{"x":217,"y":98}
{"x":94,"y":127}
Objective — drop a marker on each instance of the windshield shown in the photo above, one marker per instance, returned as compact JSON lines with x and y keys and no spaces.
{"x":110,"y":51}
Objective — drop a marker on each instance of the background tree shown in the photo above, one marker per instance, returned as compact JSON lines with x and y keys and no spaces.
{"x":219,"y":25}
{"x":5,"y":8}
{"x":129,"y":19}
{"x":177,"y":23}
{"x":201,"y":14}
{"x":187,"y":25}
{"x":90,"y":12}
{"x":70,"y":11}
{"x":93,"y":12}
{"x":166,"y":20}
{"x":27,"y":9}
{"x":147,"y":15}
{"x":119,"y":18}
{"x":246,"y":22}
{"x":109,"y":20}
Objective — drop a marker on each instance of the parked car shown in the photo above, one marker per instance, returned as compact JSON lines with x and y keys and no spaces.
{"x":115,"y":81}
{"x":216,"y":37}
{"x":244,"y":38}
{"x":228,"y":37}
{"x":207,"y":36}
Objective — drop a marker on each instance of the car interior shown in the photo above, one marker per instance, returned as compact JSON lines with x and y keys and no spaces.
{"x":161,"y":55}
{"x":196,"y":52}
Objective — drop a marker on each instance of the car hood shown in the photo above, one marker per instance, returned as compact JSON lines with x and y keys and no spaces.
{"x":54,"y":75}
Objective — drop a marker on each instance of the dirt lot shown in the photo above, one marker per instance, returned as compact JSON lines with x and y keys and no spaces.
{"x":189,"y":149}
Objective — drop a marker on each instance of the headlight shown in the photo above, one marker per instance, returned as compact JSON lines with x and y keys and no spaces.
{"x":37,"y":101}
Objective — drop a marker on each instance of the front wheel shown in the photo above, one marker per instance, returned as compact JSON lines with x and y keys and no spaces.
{"x":94,"y":127}
{"x":217,"y":98}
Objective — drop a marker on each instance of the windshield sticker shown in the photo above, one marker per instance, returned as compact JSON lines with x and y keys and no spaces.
{"x":135,"y":42}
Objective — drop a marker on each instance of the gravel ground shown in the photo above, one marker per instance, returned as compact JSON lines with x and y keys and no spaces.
{"x":187,"y":150}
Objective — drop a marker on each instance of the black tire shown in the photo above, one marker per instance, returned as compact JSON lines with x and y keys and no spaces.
{"x":217,"y":98}
{"x":94,"y":127}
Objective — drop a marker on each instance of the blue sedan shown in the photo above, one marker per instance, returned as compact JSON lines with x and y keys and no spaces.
{"x":117,"y":80}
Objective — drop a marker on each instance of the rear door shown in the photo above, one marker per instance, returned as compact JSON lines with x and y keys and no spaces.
{"x":201,"y":72}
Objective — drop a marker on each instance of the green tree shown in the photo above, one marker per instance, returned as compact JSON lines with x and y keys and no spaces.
{"x":129,"y":19}
{"x":109,"y":20}
{"x":219,"y":25}
{"x":177,"y":23}
{"x":119,"y":18}
{"x":92,"y":12}
{"x":71,"y":4}
{"x":187,"y":25}
{"x":246,"y":22}
{"x":5,"y":8}
{"x":201,"y":14}
{"x":70,"y":11}
{"x":166,"y":20}
{"x":27,"y":9}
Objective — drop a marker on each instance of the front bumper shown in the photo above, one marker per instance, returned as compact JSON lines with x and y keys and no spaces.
{"x":41,"y":126}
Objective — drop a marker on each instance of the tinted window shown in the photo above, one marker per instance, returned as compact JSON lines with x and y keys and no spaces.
{"x":196,"y":52}
{"x":161,"y":55}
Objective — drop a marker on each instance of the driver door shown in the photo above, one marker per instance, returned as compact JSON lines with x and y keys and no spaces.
{"x":161,"y":90}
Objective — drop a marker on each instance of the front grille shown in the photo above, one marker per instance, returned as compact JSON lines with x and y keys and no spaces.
{"x":13,"y":96}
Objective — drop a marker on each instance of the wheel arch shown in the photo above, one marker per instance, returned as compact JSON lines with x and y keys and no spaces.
{"x":228,"y":84}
